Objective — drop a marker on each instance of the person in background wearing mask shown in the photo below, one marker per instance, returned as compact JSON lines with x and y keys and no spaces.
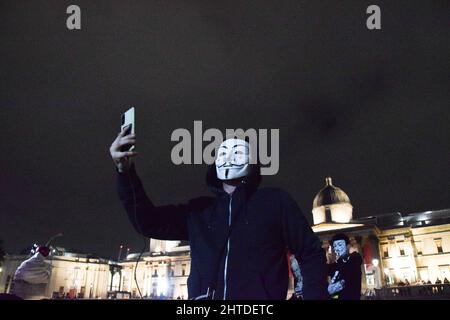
{"x":345,"y":272}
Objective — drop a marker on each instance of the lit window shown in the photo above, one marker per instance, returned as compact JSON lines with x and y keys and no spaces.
{"x":445,"y":272}
{"x":423,"y":274}
{"x":438,"y":243}
{"x":385,"y":252}
{"x":401,"y":247}
{"x":419,"y":247}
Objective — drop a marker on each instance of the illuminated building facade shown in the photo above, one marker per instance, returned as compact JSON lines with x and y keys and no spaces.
{"x":161,"y":274}
{"x":73,"y":275}
{"x":396,"y":248}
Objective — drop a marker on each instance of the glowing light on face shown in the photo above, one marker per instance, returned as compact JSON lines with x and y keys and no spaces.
{"x":340,"y":248}
{"x":233,"y":158}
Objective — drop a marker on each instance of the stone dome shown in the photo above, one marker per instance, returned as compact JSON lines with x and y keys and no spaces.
{"x":329,"y":195}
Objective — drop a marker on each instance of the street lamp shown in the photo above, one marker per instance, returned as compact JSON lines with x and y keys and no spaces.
{"x":52,"y":238}
{"x":375,"y":262}
{"x":377,"y":273}
{"x":120,"y":252}
{"x":386,"y":276}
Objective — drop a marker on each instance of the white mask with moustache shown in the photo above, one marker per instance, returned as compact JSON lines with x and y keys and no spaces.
{"x":233,"y":159}
{"x":340,"y":248}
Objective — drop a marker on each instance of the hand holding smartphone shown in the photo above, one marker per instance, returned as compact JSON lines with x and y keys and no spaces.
{"x":128,"y":122}
{"x":122,"y":148}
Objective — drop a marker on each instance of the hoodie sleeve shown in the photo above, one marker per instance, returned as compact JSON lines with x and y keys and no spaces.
{"x":307,"y":248}
{"x":159,"y":222}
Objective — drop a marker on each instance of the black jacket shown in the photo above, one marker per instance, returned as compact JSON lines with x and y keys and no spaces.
{"x":266,"y":224}
{"x":349,"y":268}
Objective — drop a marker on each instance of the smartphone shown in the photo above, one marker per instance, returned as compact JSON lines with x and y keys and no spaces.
{"x":128,"y":119}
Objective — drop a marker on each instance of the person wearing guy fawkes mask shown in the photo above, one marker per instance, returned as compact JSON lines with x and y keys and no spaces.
{"x":345,"y":273}
{"x":238,"y":238}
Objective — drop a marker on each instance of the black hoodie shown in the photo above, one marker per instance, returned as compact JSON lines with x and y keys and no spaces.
{"x":266,"y":225}
{"x":349,"y":268}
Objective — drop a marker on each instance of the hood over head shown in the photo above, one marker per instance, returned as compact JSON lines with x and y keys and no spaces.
{"x":251,"y":181}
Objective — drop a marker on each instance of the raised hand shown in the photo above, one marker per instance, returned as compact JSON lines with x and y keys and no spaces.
{"x":122,"y":159}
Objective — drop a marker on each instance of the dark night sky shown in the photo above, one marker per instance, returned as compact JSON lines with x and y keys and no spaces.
{"x":369,"y":108}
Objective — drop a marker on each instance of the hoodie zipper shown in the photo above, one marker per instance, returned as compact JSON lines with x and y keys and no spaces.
{"x":228,"y":251}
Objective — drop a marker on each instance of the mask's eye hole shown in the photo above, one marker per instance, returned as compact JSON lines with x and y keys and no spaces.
{"x":238,"y":152}
{"x":222,"y":154}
